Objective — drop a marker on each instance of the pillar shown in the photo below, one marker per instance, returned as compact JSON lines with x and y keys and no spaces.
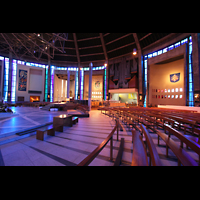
{"x":90,"y":86}
{"x":68,"y":83}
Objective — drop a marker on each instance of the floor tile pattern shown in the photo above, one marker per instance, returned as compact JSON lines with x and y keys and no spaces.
{"x":70,"y":147}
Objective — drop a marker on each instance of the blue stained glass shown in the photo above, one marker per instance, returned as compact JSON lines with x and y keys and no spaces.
{"x":155,"y":54}
{"x":190,"y":49}
{"x":190,"y":86}
{"x":159,"y":52}
{"x":190,"y":68}
{"x":150,"y":55}
{"x":190,"y":58}
{"x":190,"y":77}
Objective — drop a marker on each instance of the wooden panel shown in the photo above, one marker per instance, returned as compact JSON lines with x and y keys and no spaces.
{"x":133,"y":83}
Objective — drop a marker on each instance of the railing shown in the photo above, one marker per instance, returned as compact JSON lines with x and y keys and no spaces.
{"x":95,"y":153}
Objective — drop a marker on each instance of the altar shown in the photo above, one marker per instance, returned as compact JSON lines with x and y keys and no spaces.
{"x":64,"y":120}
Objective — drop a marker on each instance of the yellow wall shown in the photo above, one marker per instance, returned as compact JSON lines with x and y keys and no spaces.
{"x":97,"y":93}
{"x":125,"y":97}
{"x":160,"y":79}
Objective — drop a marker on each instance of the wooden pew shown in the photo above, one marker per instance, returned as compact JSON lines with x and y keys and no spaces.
{"x":139,"y":157}
{"x":190,"y":143}
{"x":151,"y":146}
{"x":120,"y":152}
{"x":127,"y":121}
{"x":181,"y":154}
{"x":149,"y":122}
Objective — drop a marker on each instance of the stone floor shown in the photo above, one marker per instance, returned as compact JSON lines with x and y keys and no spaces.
{"x":26,"y":117}
{"x":72,"y":145}
{"x":67,"y":148}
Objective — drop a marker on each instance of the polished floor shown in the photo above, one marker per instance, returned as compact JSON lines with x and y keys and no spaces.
{"x":72,"y":145}
{"x":67,"y":148}
{"x":26,"y":117}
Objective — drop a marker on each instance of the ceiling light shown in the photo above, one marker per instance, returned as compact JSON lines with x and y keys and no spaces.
{"x":134,"y":51}
{"x":105,"y":64}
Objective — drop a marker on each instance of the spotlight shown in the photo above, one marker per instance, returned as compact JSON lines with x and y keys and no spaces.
{"x":134,"y":51}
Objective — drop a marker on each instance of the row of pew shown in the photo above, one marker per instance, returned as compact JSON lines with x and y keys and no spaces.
{"x":185,"y":126}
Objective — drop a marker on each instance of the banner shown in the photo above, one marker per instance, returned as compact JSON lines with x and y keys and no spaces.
{"x":174,"y":77}
{"x":22,"y":80}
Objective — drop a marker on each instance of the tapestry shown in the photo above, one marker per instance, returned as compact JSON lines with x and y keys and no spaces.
{"x":97,"y":84}
{"x":174,"y":77}
{"x":22,"y":80}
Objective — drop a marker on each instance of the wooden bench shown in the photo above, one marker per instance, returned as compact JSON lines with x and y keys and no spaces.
{"x":128,"y":122}
{"x":183,"y":122}
{"x":74,"y":120}
{"x":132,"y":117}
{"x":184,"y":139}
{"x":181,"y":154}
{"x":160,"y":120}
{"x":50,"y":131}
{"x":120,"y":152}
{"x":149,"y":122}
{"x":139,"y":157}
{"x":152,"y":149}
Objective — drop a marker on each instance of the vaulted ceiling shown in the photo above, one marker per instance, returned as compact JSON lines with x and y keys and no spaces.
{"x":77,"y":48}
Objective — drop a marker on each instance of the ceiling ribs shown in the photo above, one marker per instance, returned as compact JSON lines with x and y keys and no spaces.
{"x":119,"y":38}
{"x":77,"y":50}
{"x":94,"y":47}
{"x":104,"y":47}
{"x":9,"y":45}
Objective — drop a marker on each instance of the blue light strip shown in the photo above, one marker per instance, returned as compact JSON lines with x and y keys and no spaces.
{"x":14,"y":74}
{"x":52,"y":84}
{"x":82,"y":79}
{"x":191,"y":86}
{"x":105,"y":84}
{"x":76,"y":85}
{"x":46,"y":83}
{"x":145,"y":78}
{"x":6,"y":75}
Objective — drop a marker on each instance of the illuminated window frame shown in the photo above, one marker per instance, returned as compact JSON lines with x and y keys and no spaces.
{"x":52,"y":83}
{"x":6,"y":76}
{"x":82,"y":82}
{"x":46,"y":83}
{"x":14,"y":78}
{"x":164,"y":50}
{"x":105,"y":84}
{"x":76,"y":85}
{"x":191,"y":84}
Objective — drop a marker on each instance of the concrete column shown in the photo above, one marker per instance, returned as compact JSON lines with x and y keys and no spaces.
{"x":68,"y":83}
{"x":90,"y":86}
